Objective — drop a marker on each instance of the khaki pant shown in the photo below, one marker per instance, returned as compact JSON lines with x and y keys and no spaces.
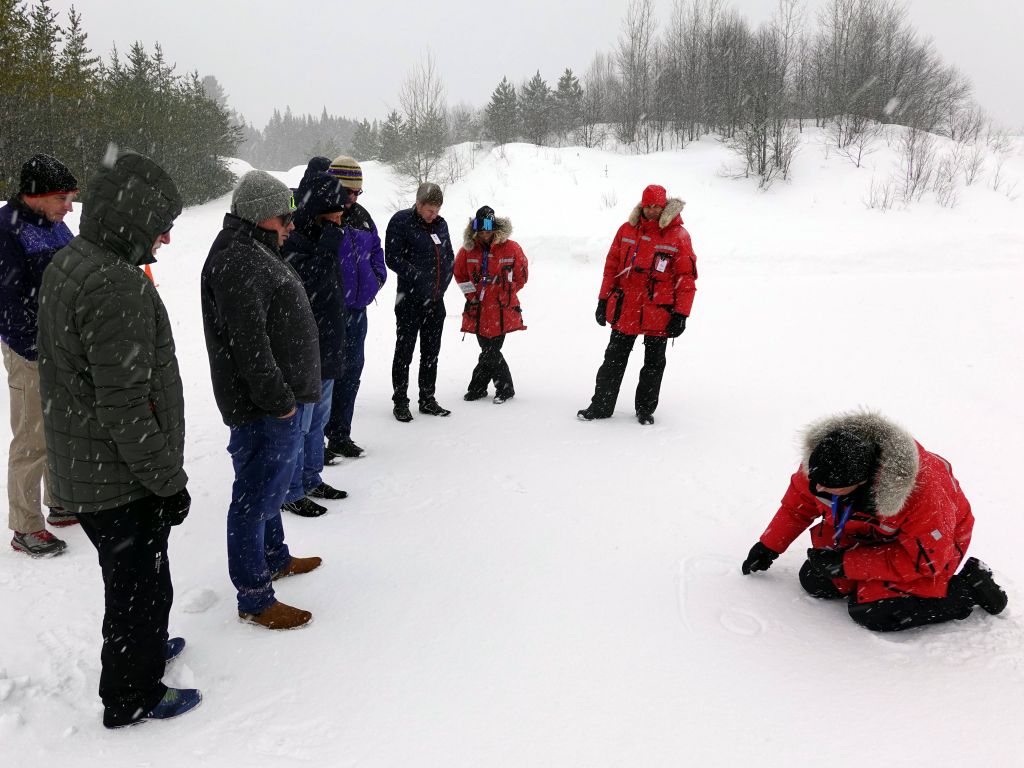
{"x":26,"y":463}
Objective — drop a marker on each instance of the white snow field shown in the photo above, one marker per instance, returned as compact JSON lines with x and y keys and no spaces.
{"x":513,"y":587}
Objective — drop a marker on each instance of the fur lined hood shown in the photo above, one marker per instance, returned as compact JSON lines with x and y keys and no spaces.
{"x":898,"y":459}
{"x":502,"y":232}
{"x":673,"y":207}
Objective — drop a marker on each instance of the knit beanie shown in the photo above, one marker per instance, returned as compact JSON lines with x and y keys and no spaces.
{"x":348,"y":171}
{"x":46,"y":175}
{"x":429,"y":194}
{"x":842,"y":459}
{"x":654,"y":195}
{"x":260,"y":196}
{"x":316,"y":166}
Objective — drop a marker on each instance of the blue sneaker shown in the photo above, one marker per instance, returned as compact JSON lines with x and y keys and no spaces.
{"x":175,"y":646}
{"x":177,"y":701}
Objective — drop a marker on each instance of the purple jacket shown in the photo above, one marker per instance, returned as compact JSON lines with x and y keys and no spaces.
{"x":361,"y":258}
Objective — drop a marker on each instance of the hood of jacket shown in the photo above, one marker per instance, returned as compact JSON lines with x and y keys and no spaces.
{"x":128,"y":205}
{"x":502,"y":232}
{"x":673,"y":207}
{"x":898,"y":459}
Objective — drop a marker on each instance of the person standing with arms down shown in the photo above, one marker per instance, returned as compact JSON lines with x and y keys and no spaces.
{"x":418,"y":249}
{"x":650,"y":278}
{"x":32,"y":230}
{"x":265,"y":361}
{"x":491,"y":269}
{"x":115,"y":425}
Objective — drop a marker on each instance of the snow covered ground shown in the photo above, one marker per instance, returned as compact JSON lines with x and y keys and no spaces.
{"x":513,"y":587}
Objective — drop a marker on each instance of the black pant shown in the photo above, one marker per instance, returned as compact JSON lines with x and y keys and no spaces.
{"x":413,"y":318}
{"x":491,"y":367}
{"x":131,"y":541}
{"x":609,"y":375}
{"x":895,"y":613}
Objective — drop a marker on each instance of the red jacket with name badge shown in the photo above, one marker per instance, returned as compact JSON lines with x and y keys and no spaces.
{"x":491,"y":282}
{"x":650,"y":272}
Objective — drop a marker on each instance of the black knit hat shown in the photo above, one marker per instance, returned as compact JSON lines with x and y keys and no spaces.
{"x":46,"y":175}
{"x":842,"y":459}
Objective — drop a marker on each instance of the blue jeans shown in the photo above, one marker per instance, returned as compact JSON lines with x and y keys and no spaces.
{"x":309,"y":460}
{"x":340,"y":426}
{"x":263,"y":455}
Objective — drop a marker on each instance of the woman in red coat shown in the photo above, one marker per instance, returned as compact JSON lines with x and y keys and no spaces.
{"x":491,"y":269}
{"x":894,"y":526}
{"x":650,"y":277}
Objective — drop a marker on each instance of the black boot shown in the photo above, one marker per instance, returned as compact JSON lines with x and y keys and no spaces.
{"x":589,"y":414}
{"x":433,"y":408}
{"x":325,"y":491}
{"x":402,"y":412}
{"x":645,"y":418}
{"x":342,"y":449}
{"x":984,"y":589}
{"x":304,"y":508}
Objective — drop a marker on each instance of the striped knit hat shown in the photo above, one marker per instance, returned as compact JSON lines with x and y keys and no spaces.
{"x":348,"y":171}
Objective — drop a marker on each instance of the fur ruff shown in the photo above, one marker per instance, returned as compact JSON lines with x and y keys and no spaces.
{"x":898,"y":460}
{"x":502,"y":232}
{"x":673,"y":207}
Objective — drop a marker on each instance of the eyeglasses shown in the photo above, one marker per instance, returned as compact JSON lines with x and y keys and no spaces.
{"x":354,"y":192}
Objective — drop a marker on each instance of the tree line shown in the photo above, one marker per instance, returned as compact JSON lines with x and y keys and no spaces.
{"x":57,"y":97}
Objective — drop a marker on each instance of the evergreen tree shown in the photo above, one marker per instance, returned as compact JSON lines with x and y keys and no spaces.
{"x":502,"y":113}
{"x":392,"y":138}
{"x":535,"y":104}
{"x":366,"y":142}
{"x":567,"y":105}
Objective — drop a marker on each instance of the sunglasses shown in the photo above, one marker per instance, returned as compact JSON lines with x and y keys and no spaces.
{"x":355,"y":192}
{"x":286,"y":218}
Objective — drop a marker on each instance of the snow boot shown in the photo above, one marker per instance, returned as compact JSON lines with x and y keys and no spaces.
{"x":402,"y":413}
{"x":986,"y":592}
{"x":325,"y":491}
{"x":175,"y":645}
{"x":277,"y":615}
{"x":471,"y":396}
{"x":297,"y":566}
{"x":38,"y":544}
{"x":589,"y":414}
{"x":61,"y":518}
{"x":499,"y":399}
{"x":304,"y":507}
{"x":645,"y":418}
{"x":433,"y":408}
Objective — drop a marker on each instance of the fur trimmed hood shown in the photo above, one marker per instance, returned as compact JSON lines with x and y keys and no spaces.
{"x":898,"y":459}
{"x":502,"y":232}
{"x":673,"y":207}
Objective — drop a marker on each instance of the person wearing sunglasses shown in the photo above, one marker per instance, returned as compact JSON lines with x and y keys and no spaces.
{"x":262,"y":340}
{"x":889,"y":527}
{"x":491,"y":269}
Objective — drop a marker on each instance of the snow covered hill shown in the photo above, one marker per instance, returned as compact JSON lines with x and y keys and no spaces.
{"x":513,"y":587}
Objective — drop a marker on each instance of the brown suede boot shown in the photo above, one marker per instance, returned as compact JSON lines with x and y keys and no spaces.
{"x":278,"y":616}
{"x":298,"y":566}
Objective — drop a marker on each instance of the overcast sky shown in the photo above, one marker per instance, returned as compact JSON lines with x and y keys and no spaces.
{"x":353,"y":56}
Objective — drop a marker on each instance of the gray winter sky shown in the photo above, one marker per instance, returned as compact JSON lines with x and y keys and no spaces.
{"x":352,"y":57}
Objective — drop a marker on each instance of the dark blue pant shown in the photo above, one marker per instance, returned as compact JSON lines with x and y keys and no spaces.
{"x":347,"y":386}
{"x":309,"y":461}
{"x":263,"y":454}
{"x":414,"y":318}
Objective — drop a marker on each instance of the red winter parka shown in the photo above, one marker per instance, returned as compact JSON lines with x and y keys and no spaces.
{"x":491,"y":281}
{"x":649,"y":273}
{"x":915,"y":536}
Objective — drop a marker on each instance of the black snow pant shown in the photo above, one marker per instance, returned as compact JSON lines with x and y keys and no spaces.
{"x":426,"y":320}
{"x":491,"y":367}
{"x":609,"y":375}
{"x":894,"y":613}
{"x":131,"y":541}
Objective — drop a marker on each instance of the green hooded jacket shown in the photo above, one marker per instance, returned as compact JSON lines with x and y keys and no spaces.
{"x":113,"y":407}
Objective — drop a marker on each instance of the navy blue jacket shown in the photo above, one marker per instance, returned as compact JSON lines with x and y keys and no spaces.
{"x":313,"y":253}
{"x":423,"y":265}
{"x":28,"y":242}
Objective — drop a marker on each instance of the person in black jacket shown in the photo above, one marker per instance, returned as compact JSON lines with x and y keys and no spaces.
{"x":265,"y":362}
{"x":312,"y":250}
{"x":419,"y":250}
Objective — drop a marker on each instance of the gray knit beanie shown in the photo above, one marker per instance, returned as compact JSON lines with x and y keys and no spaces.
{"x":429,"y":194}
{"x":260,"y":196}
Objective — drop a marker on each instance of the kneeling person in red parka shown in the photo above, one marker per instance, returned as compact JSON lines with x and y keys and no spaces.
{"x":894,"y":526}
{"x":491,"y":269}
{"x":650,"y":277}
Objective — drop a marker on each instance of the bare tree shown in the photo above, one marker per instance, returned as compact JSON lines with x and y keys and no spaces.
{"x":425,"y":113}
{"x":634,"y":56}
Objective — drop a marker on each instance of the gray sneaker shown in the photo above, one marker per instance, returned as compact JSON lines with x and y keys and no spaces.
{"x":37,"y":544}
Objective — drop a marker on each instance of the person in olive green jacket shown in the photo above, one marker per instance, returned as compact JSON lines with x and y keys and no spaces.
{"x":114,"y":424}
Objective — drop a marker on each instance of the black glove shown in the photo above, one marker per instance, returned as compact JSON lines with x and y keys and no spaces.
{"x":676,"y":325}
{"x":174,"y":509}
{"x":601,"y":315}
{"x":827,"y":561}
{"x":759,"y":559}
